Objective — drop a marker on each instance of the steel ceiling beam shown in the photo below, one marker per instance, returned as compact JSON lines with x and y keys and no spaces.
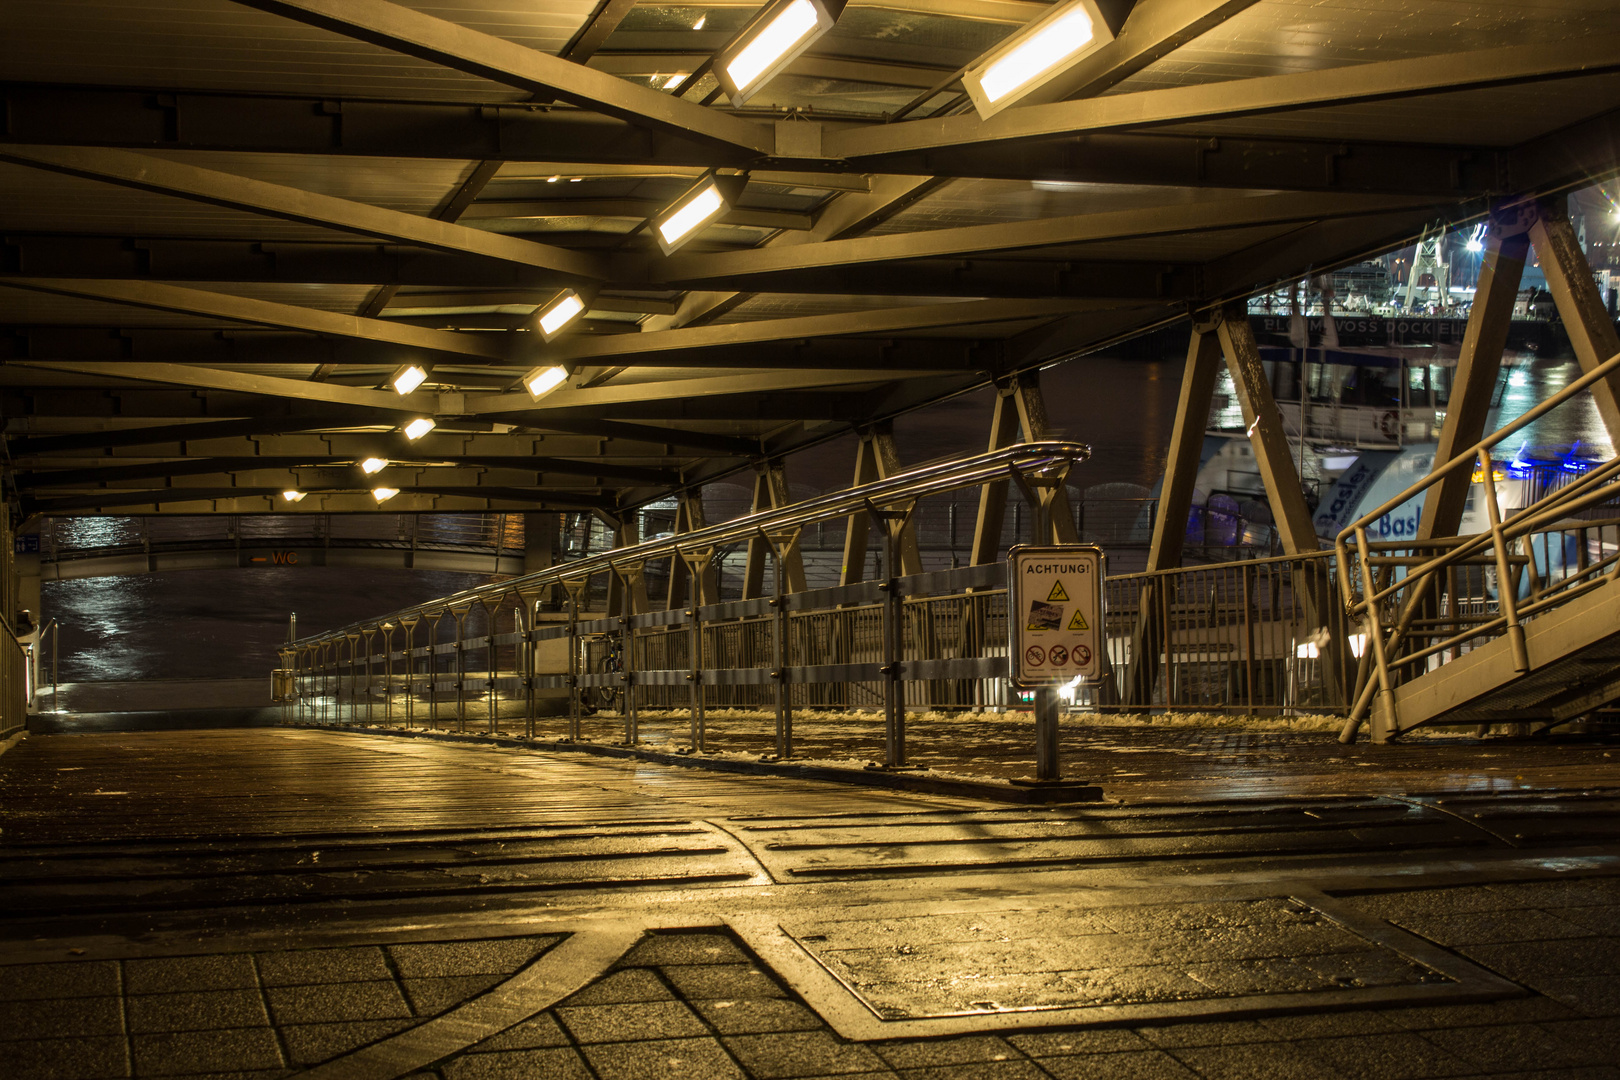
{"x":1043,"y":232}
{"x":419,"y":500}
{"x":439,"y":41}
{"x":146,"y":173}
{"x":32,"y":476}
{"x":510,"y":209}
{"x":30,"y":445}
{"x":685,"y":390}
{"x":1382,"y":80}
{"x":159,"y":296}
{"x":384,"y":401}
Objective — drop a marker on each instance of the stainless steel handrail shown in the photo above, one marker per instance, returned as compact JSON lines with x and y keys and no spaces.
{"x":1024,"y":458}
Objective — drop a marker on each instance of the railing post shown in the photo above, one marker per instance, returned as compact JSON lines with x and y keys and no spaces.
{"x":409,"y":657}
{"x":696,"y":562}
{"x":1384,"y":721}
{"x":781,"y":546}
{"x":575,"y":590}
{"x":1506,"y":580}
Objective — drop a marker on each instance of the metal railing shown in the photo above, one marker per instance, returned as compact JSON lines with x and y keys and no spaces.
{"x":1422,"y":605}
{"x":939,"y":638}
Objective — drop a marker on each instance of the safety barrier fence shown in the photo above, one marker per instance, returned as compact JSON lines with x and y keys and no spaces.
{"x":16,"y":683}
{"x":938,"y":639}
{"x":1422,"y":605}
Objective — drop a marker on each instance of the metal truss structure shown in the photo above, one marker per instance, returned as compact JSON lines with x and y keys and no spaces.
{"x":227,"y":222}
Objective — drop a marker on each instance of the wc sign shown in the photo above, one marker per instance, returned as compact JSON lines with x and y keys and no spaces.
{"x":1055,"y":614}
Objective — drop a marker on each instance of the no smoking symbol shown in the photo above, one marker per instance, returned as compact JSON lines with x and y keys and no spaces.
{"x":1034,"y":656}
{"x":1059,"y":656}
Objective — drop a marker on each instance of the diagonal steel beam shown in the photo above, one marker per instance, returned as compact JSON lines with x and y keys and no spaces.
{"x":439,"y":41}
{"x":1351,"y":84}
{"x":181,"y":300}
{"x":179,"y":433}
{"x":687,"y":389}
{"x":35,"y":477}
{"x":1083,"y":228}
{"x":147,"y":173}
{"x":214,"y":379}
{"x":916,"y":317}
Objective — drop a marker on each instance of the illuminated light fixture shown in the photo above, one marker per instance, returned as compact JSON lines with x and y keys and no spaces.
{"x":408,"y":378}
{"x":1035,"y":55}
{"x":383,"y":494}
{"x":555,"y":316}
{"x":1476,"y":246}
{"x":542,"y":381}
{"x":373,"y":465}
{"x":702,"y":204}
{"x":552,"y":179}
{"x":702,"y":21}
{"x":674,"y":80}
{"x":293,"y":495}
{"x":777,"y":35}
{"x":419,"y":427}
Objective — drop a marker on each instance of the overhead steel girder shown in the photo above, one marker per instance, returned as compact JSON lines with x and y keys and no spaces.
{"x":147,"y":173}
{"x":1574,"y":156}
{"x":1242,"y":97}
{"x":300,"y":262}
{"x":403,"y":30}
{"x":517,"y":209}
{"x":1213,"y":214}
{"x":193,"y":377}
{"x":30,"y":474}
{"x":27,"y":445}
{"x":423,"y":499}
{"x":895,"y":354}
{"x":651,"y":346}
{"x":202,"y":302}
{"x":246,"y":346}
{"x":80,"y":116}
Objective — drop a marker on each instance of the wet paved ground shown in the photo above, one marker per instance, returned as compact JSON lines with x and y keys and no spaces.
{"x":276,"y":901}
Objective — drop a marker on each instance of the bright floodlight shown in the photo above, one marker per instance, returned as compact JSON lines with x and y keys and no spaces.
{"x":293,"y":495}
{"x":768,"y":44}
{"x":383,"y":494}
{"x":373,"y":465}
{"x":542,"y":381}
{"x":1475,"y":245}
{"x":702,"y":203}
{"x":419,"y":427}
{"x":408,"y":378}
{"x":560,"y":312}
{"x":1035,"y":55}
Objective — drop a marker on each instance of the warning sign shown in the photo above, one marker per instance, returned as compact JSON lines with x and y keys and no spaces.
{"x":1055,"y":594}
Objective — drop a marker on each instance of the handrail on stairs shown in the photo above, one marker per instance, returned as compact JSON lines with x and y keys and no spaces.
{"x":1375,"y":694}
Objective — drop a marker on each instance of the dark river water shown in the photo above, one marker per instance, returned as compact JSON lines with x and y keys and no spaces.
{"x":228,"y":623}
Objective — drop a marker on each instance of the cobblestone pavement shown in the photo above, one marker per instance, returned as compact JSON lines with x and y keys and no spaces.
{"x":272,"y":903}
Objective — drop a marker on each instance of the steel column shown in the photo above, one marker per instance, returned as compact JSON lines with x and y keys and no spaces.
{"x":1586,"y":318}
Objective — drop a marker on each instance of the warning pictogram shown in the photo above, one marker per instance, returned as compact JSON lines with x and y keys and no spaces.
{"x":1082,"y":655}
{"x":1057,"y":593}
{"x":1058,"y":655}
{"x":1078,"y":621}
{"x":1034,"y":656}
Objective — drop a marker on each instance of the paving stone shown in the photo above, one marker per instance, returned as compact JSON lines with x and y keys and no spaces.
{"x":627,"y":1023}
{"x":19,"y":982}
{"x":251,"y":1074}
{"x":663,"y":950}
{"x":1597,"y":919}
{"x":430,"y":997}
{"x":305,"y":966}
{"x":968,"y":1048}
{"x":1594,"y":1072}
{"x":533,"y":1033}
{"x":175,"y":1053}
{"x":1386,"y":1057}
{"x":1491,"y":927}
{"x":1097,"y":1041}
{"x":1328,"y":1025}
{"x":175,"y":974}
{"x":723,"y":981}
{"x":1274,"y":1061}
{"x":1371,"y":968}
{"x":1594,"y":995}
{"x":338,"y":1001}
{"x":663,"y":1060}
{"x":60,"y":1018}
{"x":1574,"y":892}
{"x":1131,"y":1065}
{"x":310,"y":1044}
{"x":1588,"y":1042}
{"x":560,"y":1063}
{"x":1276,"y":975}
{"x":619,"y":987}
{"x":1508,"y":1011}
{"x":798,"y":1054}
{"x":196,"y":1011}
{"x":1207,"y":1033}
{"x":757,"y":1016}
{"x":65,"y":1059}
{"x":1533,"y":961}
{"x":1446,"y":901}
{"x":1021,"y":1069}
{"x":1518,"y":1047}
{"x":442,"y":959}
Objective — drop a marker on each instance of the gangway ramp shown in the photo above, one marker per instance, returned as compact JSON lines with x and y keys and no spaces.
{"x":1574,"y":653}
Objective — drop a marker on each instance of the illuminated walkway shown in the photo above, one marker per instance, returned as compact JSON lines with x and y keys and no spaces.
{"x":264,"y":901}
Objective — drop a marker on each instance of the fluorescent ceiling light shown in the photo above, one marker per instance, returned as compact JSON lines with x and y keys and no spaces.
{"x":542,"y":381}
{"x":373,"y":465}
{"x":293,"y":495}
{"x":768,"y":44}
{"x":674,"y":80}
{"x":560,"y":312}
{"x":702,"y":204}
{"x":383,"y":494}
{"x":419,"y":427}
{"x":1036,"y":54}
{"x":408,"y":378}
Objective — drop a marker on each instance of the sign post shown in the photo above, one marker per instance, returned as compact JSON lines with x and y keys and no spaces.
{"x":1055,"y":632}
